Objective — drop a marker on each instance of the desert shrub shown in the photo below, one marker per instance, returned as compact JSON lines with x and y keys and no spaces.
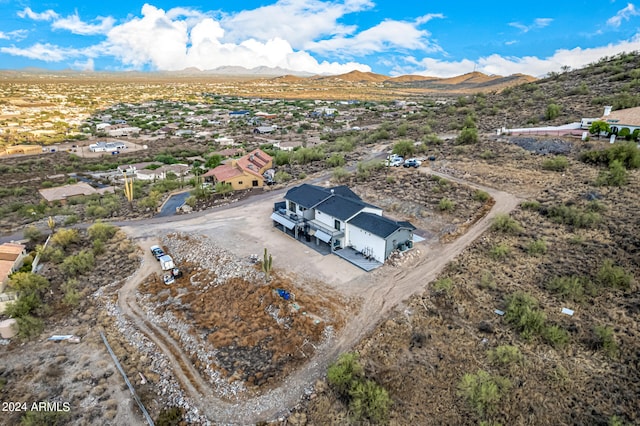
{"x":72,"y":219}
{"x":556,"y":164}
{"x":537,"y":247}
{"x":370,"y":401}
{"x":487,"y":281}
{"x":627,"y":153}
{"x":281,"y":176}
{"x":403,"y":148}
{"x":555,"y":336}
{"x":571,"y":288}
{"x":101,"y":231}
{"x":604,"y":339}
{"x":483,"y":391}
{"x":78,"y":264}
{"x":522,"y":312}
{"x":336,"y":160}
{"x":553,"y":111}
{"x":282,"y":158}
{"x":446,"y":205}
{"x":343,"y":373}
{"x":171,"y":416}
{"x":500,"y":251}
{"x":505,"y":354}
{"x":364,"y":169}
{"x":530,"y":205}
{"x":65,"y":237}
{"x":49,"y":418}
{"x":506,"y":224}
{"x":479,"y":195}
{"x":615,"y":175}
{"x":306,"y":155}
{"x":613,"y":276}
{"x":487,"y":154}
{"x":443,"y":285}
{"x":32,"y":234}
{"x":302,"y":175}
{"x":467,"y":136}
{"x":571,"y":215}
{"x":340,"y":175}
{"x":71,"y":295}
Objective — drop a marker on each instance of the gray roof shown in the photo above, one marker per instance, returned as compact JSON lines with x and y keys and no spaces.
{"x":340,"y":207}
{"x":307,"y":195}
{"x":378,"y":225}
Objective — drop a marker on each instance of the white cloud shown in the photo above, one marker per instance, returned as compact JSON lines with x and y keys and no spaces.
{"x":531,"y":65}
{"x":14,"y":35}
{"x":386,"y":36}
{"x":75,"y":25}
{"x":537,"y":24}
{"x":44,"y":52}
{"x":47,"y":15}
{"x":87,"y":65}
{"x":167,"y":42}
{"x":623,"y":14}
{"x":297,"y":21}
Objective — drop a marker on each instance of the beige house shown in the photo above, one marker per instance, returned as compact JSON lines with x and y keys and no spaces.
{"x":65,"y":192}
{"x":242,"y":173}
{"x":11,"y":259}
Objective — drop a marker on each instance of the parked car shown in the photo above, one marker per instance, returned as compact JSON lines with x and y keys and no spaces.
{"x":157,"y":252}
{"x":412,"y":162}
{"x":168,"y":279}
{"x":394,"y":161}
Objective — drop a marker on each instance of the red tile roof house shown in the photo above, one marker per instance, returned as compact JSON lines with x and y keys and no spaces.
{"x":242,"y":173}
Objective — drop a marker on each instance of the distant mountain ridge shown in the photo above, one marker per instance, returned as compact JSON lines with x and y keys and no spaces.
{"x":462,"y":83}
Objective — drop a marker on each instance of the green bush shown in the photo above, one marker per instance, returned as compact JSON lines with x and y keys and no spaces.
{"x":615,"y":175}
{"x":446,"y":205}
{"x":627,"y":153}
{"x":443,"y":285}
{"x":522,"y":312}
{"x":369,"y":401}
{"x":483,"y":391}
{"x":555,"y":336}
{"x":65,"y":237}
{"x":530,"y":205}
{"x":605,"y":340}
{"x":281,"y":176}
{"x":48,"y":418}
{"x":468,"y":136}
{"x":482,"y":196}
{"x":71,"y":294}
{"x":340,"y":175}
{"x":505,"y":224}
{"x":101,"y":231}
{"x":573,"y":216}
{"x":556,"y":164}
{"x":537,"y":248}
{"x":336,"y":160}
{"x":345,"y":372}
{"x":571,"y":288}
{"x":487,"y":281}
{"x":500,"y":252}
{"x":80,"y":263}
{"x":613,"y":276}
{"x":505,"y":354}
{"x":553,"y":111}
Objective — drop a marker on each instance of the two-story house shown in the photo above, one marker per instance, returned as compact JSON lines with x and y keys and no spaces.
{"x":342,"y":220}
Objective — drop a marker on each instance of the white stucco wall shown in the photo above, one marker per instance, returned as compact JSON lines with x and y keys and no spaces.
{"x":366,"y":242}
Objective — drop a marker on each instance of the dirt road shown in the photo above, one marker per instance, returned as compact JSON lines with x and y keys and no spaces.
{"x":380,"y":291}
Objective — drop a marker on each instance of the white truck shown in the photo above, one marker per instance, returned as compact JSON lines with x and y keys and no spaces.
{"x":166,"y":262}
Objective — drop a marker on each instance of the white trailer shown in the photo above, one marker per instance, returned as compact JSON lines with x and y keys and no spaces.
{"x":166,"y":262}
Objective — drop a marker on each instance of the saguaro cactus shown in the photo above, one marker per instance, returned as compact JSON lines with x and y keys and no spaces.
{"x":267,"y":261}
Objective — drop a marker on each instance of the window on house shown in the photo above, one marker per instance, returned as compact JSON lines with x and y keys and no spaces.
{"x":336,"y":224}
{"x":292,"y":206}
{"x":254,"y":183}
{"x":239,"y":182}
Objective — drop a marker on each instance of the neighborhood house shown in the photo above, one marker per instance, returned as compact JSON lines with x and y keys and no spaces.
{"x":106,"y":146}
{"x":11,"y":258}
{"x":242,"y":173}
{"x":339,"y":219}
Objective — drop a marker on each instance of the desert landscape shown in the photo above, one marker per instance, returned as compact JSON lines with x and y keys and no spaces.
{"x":518,"y":304}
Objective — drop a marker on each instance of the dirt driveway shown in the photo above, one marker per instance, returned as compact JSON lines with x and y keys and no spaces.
{"x":247,"y":229}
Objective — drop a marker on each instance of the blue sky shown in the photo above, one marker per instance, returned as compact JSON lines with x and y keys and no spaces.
{"x":322,"y":37}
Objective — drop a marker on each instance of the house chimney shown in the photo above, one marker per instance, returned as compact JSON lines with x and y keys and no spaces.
{"x":607,"y":110}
